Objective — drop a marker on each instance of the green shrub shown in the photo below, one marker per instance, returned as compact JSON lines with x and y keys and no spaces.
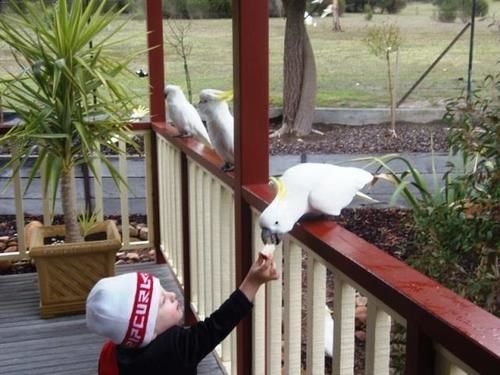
{"x":368,"y":12}
{"x":465,"y":9}
{"x":447,"y":11}
{"x":209,"y":8}
{"x":389,"y":6}
{"x":175,"y":9}
{"x":458,"y":223}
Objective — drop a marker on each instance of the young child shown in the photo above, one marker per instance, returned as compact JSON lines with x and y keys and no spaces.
{"x":142,"y":322}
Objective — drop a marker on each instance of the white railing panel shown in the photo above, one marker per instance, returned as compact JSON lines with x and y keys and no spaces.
{"x":315,"y":300}
{"x":21,"y":239}
{"x":193,"y":249}
{"x":207,"y":240}
{"x":378,"y":340}
{"x":177,"y":209}
{"x":274,"y":318}
{"x":21,"y":242}
{"x":258,"y":312}
{"x":448,"y":364}
{"x":344,"y":322}
{"x":122,"y":169}
{"x":292,"y":298}
{"x":161,"y":151}
{"x":98,"y":194}
{"x":47,"y":200}
{"x":227,"y":265}
{"x":168,"y":180}
{"x":215,"y":239}
{"x":148,"y":160}
{"x":200,"y":244}
{"x":98,"y":199}
{"x":234,"y":356}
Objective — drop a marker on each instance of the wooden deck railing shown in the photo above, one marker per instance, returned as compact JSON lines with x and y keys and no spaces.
{"x":445,"y":334}
{"x":98,"y":199}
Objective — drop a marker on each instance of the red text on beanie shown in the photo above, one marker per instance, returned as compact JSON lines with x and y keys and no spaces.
{"x":123,"y":308}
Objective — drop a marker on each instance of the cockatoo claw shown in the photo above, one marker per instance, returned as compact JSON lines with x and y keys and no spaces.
{"x":227,"y":167}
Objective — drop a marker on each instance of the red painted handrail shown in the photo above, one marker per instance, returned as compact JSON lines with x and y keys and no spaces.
{"x":469,"y":332}
{"x":204,"y":156}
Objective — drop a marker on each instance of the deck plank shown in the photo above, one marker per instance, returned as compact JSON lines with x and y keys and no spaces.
{"x":63,"y":345}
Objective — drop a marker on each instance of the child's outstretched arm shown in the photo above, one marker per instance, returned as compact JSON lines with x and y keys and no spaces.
{"x":186,"y":347}
{"x":261,"y":271}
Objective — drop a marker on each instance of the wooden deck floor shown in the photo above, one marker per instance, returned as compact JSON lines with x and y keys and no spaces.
{"x":34,"y":346}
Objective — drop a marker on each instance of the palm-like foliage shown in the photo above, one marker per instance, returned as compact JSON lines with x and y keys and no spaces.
{"x":67,"y":91}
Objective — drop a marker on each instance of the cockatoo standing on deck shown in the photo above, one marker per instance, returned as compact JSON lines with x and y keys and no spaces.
{"x":311,"y":188}
{"x":220,"y":123}
{"x":184,"y":116}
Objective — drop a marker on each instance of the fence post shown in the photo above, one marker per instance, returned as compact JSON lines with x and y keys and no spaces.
{"x":251,"y":100}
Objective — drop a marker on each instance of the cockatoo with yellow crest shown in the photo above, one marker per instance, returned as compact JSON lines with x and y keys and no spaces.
{"x":311,"y":188}
{"x":220,"y":123}
{"x":184,"y":116}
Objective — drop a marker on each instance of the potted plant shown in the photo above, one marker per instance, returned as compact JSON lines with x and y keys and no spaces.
{"x":68,"y":96}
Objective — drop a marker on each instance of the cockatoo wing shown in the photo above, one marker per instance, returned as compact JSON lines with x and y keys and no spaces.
{"x":186,"y":118}
{"x":196,"y":126}
{"x":222,"y":139}
{"x":329,"y":326}
{"x":178,"y":117}
{"x":336,"y":190}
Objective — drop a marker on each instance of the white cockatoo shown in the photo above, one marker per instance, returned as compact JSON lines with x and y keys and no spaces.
{"x":329,"y":325}
{"x":311,"y":188}
{"x":220,"y":123}
{"x":184,"y":116}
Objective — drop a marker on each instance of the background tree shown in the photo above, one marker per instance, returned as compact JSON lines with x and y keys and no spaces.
{"x":299,"y":70}
{"x":336,"y":15}
{"x":177,"y":39}
{"x":383,"y":41}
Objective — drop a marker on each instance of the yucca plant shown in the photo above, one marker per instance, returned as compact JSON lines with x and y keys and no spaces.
{"x":66,"y":91}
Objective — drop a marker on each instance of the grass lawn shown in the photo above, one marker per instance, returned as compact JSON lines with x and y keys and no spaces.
{"x":348,"y":75}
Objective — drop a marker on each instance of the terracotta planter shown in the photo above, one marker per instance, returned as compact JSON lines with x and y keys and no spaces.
{"x":67,"y":272}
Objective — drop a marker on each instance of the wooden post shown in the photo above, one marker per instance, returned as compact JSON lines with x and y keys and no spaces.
{"x":154,"y":21}
{"x":251,"y":100}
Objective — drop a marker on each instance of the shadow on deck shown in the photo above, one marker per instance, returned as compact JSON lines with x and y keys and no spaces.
{"x":31,"y":345}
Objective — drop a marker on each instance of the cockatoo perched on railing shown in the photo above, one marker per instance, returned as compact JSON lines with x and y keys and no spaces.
{"x":311,"y":188}
{"x":184,"y":116}
{"x":220,"y":123}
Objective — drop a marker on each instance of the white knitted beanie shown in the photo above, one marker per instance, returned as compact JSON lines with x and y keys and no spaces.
{"x":123,"y":308}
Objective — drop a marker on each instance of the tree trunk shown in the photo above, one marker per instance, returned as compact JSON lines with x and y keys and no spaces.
{"x":336,"y":15}
{"x":68,"y":197}
{"x":299,"y":88}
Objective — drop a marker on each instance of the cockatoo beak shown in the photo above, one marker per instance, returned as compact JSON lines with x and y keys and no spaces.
{"x":268,"y":237}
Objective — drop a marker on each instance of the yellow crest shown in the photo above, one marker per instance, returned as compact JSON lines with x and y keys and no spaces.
{"x":226,"y":96}
{"x":280,"y":187}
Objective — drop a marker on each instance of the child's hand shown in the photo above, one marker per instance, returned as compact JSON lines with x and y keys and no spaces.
{"x":261,"y":271}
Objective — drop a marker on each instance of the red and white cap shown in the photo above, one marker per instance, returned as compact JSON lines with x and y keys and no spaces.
{"x":124,"y":308}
